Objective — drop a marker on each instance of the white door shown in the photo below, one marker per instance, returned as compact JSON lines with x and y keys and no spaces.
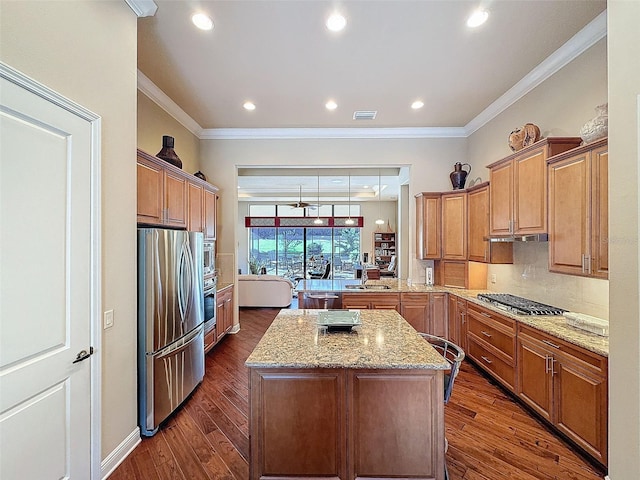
{"x":47,"y":282}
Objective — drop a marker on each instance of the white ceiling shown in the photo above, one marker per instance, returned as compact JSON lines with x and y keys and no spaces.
{"x":279,"y":54}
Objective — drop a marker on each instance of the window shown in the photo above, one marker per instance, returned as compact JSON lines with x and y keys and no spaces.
{"x":301,"y":252}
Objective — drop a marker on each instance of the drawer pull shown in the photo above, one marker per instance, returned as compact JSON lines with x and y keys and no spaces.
{"x":486,"y":334}
{"x":486,"y":360}
{"x":551,"y":344}
{"x":485,"y":314}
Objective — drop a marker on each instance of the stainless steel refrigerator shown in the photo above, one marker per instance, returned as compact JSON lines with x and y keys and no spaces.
{"x":170,"y":322}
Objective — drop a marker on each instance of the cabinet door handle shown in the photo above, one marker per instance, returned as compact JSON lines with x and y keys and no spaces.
{"x":582,"y":262}
{"x":463,"y":316}
{"x":553,"y":362}
{"x":485,"y":314}
{"x":486,"y":360}
{"x":587,"y":260}
{"x":546,"y":363}
{"x":486,"y":334}
{"x":551,"y":344}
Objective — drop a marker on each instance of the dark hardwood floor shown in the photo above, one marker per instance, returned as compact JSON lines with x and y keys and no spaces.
{"x":491,"y":437}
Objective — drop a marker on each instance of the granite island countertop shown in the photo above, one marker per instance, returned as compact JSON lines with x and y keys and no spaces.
{"x":554,"y":325}
{"x":384,"y":340}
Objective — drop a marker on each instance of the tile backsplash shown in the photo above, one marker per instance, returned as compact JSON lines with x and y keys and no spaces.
{"x":529,"y":277}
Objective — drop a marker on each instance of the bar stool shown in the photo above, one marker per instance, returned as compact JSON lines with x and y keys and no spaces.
{"x":454,"y":355}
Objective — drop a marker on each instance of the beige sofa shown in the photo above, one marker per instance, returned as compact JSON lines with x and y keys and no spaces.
{"x":264,"y":291}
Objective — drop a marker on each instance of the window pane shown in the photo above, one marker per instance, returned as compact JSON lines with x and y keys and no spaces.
{"x":346,"y":251}
{"x":262,"y":210}
{"x":262,"y":249}
{"x":290,"y":253}
{"x":289,"y":211}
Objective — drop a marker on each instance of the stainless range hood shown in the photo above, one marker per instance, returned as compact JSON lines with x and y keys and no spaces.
{"x":532,"y":237}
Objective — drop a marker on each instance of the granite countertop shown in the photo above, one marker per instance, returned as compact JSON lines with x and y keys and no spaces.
{"x":553,"y":325}
{"x":384,"y":340}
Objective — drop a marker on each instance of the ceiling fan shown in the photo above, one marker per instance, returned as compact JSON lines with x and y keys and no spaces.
{"x":299,"y":203}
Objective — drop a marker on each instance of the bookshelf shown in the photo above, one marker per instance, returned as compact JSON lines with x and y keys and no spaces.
{"x":384,"y":246}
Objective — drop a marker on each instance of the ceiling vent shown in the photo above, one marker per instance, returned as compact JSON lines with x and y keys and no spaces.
{"x":364,"y":114}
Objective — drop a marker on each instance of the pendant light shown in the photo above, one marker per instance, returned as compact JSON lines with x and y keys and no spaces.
{"x":317,"y":221}
{"x":379,"y":221}
{"x":349,"y":221}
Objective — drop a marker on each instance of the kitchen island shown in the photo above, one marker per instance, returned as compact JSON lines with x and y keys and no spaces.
{"x":365,"y":403}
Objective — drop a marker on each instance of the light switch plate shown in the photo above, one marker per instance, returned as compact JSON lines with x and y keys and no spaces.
{"x":108,"y":319}
{"x":493,"y":278}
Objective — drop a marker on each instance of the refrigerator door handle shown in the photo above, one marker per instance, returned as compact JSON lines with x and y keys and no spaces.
{"x":174,"y":350}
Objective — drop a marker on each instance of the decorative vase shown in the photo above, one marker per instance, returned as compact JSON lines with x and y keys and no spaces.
{"x":459,"y":175}
{"x":200,"y":175}
{"x":598,"y":126}
{"x":167,"y":153}
{"x":524,"y":136}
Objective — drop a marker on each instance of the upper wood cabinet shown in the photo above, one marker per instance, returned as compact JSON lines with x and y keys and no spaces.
{"x":170,"y":197}
{"x":578,"y":211}
{"x":428,"y":225}
{"x":518,"y":200}
{"x":162,"y":193}
{"x":454,"y":225}
{"x":210,"y":214}
{"x":479,"y":249}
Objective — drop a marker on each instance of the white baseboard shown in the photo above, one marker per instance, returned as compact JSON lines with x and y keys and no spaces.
{"x":121,"y":452}
{"x":607,"y":478}
{"x":235,"y":329}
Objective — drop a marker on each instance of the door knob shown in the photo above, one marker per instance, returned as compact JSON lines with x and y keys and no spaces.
{"x":83,"y":355}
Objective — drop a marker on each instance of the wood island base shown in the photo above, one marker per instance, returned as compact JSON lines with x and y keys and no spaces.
{"x":342,"y":423}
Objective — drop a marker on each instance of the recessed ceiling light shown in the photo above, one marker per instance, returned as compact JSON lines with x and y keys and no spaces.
{"x":477,"y":18}
{"x":249,"y":106}
{"x":417,"y":104}
{"x":202,"y":21}
{"x":336,"y":22}
{"x":331,"y":105}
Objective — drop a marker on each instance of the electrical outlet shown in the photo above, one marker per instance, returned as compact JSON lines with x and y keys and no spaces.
{"x":493,"y":278}
{"x":108,"y":319}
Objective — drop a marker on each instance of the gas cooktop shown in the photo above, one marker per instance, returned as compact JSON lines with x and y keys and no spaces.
{"x":519,"y":305}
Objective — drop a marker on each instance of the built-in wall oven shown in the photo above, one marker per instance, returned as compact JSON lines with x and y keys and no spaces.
{"x":210,"y":288}
{"x":209,"y":257}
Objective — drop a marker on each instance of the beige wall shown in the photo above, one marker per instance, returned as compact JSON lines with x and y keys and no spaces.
{"x":559,"y":106}
{"x":154,"y":122}
{"x":624,"y":125}
{"x":86,"y":51}
{"x":430,"y":161}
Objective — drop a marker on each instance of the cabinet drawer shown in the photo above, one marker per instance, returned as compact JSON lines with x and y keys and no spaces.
{"x":492,"y":334}
{"x":416,"y":298}
{"x":502,"y":371}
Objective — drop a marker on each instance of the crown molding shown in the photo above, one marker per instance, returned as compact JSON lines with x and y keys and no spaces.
{"x":593,"y":32}
{"x":143,"y":8}
{"x":150,"y":89}
{"x":306,"y":133}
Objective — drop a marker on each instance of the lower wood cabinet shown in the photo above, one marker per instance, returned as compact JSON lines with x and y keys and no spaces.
{"x":426,"y":312}
{"x":346,"y":424}
{"x":567,"y":386}
{"x":457,"y":319}
{"x":369,"y":301}
{"x":224,"y":311}
{"x":491,"y":342}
